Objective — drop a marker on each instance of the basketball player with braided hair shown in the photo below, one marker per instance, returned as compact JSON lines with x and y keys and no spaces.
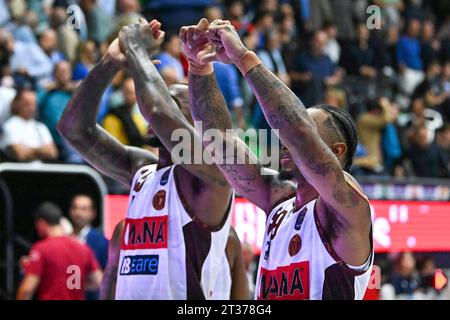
{"x":318,"y":241}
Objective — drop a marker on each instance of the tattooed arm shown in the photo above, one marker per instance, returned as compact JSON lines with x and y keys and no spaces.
{"x":78,"y":124}
{"x":241,"y":168}
{"x":297,"y":130}
{"x":165,"y":117}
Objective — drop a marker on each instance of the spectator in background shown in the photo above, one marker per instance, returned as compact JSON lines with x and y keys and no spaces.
{"x":409,"y":57}
{"x":332,"y":48}
{"x":420,"y":115}
{"x":83,"y":212}
{"x":48,"y":41}
{"x":170,"y":67}
{"x":26,"y":58}
{"x":430,"y":46}
{"x":68,"y":39}
{"x":213,"y":13}
{"x":427,"y":159}
{"x":443,"y":140}
{"x":359,"y":57}
{"x":271,"y":56}
{"x":430,"y":84}
{"x":370,"y":127}
{"x":129,"y":11}
{"x":314,"y":72}
{"x":263,"y":23}
{"x":124,"y":122}
{"x":52,"y":102}
{"x":315,"y":13}
{"x":405,"y":278}
{"x":87,"y":57}
{"x":236,"y":15}
{"x":24,"y":138}
{"x":57,"y":261}
{"x":442,"y":92}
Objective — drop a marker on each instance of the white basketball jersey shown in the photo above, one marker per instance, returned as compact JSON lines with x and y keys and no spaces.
{"x":298,"y":262}
{"x":165,"y":253}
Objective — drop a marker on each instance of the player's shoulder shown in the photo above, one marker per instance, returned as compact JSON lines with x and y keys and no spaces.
{"x":350,"y":179}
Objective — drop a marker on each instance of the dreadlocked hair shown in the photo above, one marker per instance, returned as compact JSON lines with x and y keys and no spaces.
{"x":343,"y":121}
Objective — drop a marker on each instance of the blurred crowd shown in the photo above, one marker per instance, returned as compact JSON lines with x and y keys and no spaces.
{"x":408,"y":276}
{"x":390,"y":68}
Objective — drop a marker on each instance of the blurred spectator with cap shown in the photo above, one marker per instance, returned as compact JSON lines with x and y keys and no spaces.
{"x":58,"y":267}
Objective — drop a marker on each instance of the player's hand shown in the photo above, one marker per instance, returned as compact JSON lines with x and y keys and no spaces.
{"x":142,"y":35}
{"x":228,"y":46}
{"x":195,"y":45}
{"x":115,"y":55}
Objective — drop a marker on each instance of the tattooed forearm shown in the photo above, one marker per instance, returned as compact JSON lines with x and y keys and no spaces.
{"x":279,"y":104}
{"x":207,"y":102}
{"x":78,"y":126}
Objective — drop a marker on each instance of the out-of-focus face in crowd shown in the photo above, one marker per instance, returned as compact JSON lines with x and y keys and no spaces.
{"x":82,"y":211}
{"x":319,"y":42}
{"x":24,"y":105}
{"x":48,"y":41}
{"x":63,"y":73}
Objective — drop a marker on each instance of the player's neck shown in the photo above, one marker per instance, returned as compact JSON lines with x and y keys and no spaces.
{"x":164,"y":159}
{"x":305,"y":193}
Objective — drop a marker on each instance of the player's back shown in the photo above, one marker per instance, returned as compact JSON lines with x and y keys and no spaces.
{"x":62,"y":264}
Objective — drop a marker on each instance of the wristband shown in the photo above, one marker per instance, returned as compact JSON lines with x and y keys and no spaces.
{"x":247,"y":62}
{"x":201,"y":70}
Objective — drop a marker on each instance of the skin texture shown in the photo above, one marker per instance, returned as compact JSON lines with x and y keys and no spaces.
{"x":344,"y":213}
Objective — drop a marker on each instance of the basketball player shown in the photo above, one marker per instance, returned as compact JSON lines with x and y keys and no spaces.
{"x":318,"y":240}
{"x":178,"y":220}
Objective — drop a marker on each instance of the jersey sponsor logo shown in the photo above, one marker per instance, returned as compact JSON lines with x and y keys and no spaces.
{"x":159,"y":200}
{"x":145,"y":233}
{"x":139,"y":265}
{"x":295,"y":245}
{"x":285,"y":283}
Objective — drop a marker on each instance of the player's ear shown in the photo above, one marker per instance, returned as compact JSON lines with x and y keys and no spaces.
{"x":339,"y":149}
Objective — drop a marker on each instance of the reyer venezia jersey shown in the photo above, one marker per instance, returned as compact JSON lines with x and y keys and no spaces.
{"x":298,"y":262}
{"x":165,"y":253}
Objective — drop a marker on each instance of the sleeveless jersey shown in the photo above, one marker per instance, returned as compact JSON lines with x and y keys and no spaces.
{"x":298,"y":262}
{"x":165,"y":253}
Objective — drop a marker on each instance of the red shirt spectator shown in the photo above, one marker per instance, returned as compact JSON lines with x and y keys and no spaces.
{"x":58,"y":267}
{"x":62,"y":265}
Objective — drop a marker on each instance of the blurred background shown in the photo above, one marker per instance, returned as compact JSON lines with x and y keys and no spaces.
{"x":389,"y":66}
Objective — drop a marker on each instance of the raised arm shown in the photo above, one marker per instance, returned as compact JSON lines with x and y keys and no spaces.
{"x":78,"y":124}
{"x":165,"y":118}
{"x":297,"y":130}
{"x":208,"y":106}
